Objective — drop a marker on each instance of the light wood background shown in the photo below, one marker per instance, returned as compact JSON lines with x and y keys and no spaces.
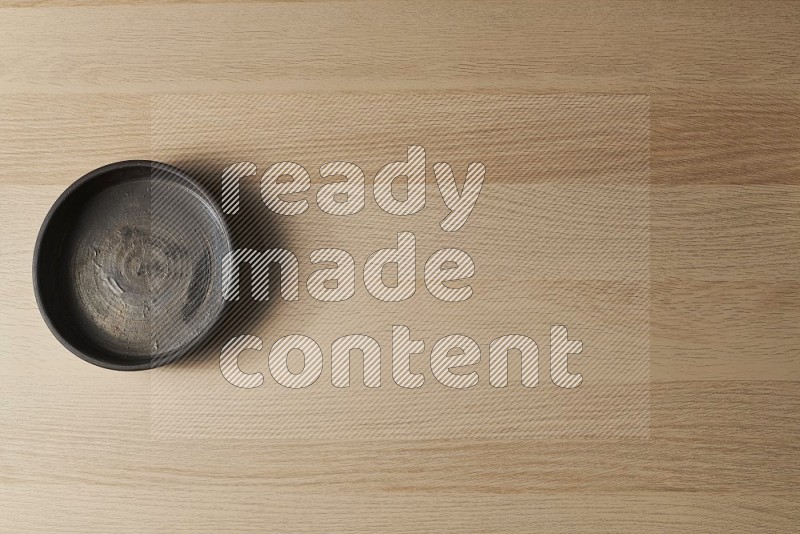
{"x":76,"y":83}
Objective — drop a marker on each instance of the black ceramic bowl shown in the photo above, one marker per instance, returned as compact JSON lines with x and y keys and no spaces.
{"x":127,"y":266}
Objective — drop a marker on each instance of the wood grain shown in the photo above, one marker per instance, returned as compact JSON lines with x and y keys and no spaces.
{"x":76,"y":88}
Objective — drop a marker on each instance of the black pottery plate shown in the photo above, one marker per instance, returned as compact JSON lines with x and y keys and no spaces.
{"x":127,"y":265}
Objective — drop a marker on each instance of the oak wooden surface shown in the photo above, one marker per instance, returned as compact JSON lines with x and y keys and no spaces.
{"x":77,"y":82}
